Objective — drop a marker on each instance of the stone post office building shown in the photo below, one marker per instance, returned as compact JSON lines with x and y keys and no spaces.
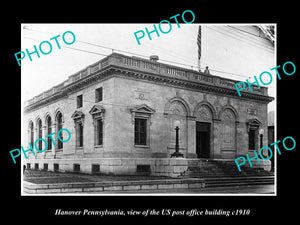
{"x":121,"y":113}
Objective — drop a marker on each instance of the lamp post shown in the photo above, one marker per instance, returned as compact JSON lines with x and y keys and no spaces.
{"x":177,"y":153}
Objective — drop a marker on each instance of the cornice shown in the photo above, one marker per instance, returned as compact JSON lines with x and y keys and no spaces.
{"x":132,"y":73}
{"x":176,"y":82}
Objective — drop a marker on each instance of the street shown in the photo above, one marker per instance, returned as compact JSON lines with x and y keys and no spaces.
{"x":243,"y":190}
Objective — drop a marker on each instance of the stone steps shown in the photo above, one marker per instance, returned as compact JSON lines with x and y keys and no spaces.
{"x":238,"y":181}
{"x":203,"y":173}
{"x":218,"y":173}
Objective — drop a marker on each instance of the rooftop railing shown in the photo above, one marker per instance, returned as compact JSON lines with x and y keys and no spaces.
{"x":145,"y":65}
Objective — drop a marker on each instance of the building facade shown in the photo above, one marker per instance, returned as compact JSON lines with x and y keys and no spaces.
{"x":121,"y":113}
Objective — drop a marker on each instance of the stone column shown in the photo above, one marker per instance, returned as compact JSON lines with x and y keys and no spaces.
{"x":191,"y":140}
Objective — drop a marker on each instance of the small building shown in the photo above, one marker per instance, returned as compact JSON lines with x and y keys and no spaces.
{"x":271,"y":134}
{"x":121,"y":113}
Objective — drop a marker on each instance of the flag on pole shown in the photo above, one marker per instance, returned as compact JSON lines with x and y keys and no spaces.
{"x":199,"y":46}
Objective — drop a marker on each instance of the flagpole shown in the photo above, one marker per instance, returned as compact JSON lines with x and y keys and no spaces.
{"x":199,"y":47}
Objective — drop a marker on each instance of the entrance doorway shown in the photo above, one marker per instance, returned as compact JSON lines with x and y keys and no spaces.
{"x":203,"y":139}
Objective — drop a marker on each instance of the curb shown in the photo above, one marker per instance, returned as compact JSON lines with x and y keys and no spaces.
{"x":84,"y":187}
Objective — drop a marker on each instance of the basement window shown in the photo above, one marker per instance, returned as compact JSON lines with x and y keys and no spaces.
{"x":143,"y":169}
{"x":56,"y":167}
{"x":95,"y":168}
{"x":76,"y":168}
{"x":45,"y":166}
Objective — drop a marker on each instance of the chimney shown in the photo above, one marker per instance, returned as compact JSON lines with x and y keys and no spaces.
{"x":154,"y":58}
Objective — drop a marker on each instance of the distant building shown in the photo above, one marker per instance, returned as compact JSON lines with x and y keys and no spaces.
{"x":271,"y":134}
{"x":121,"y":112}
{"x":237,"y":51}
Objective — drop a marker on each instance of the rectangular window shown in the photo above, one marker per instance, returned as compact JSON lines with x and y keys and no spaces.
{"x":56,"y":167}
{"x":98,"y":94}
{"x":99,"y":132}
{"x":140,"y":131}
{"x":76,"y":168}
{"x":252,"y":139}
{"x":79,"y":135}
{"x":143,"y":169}
{"x":79,"y":101}
{"x":95,"y":168}
{"x":45,"y":166}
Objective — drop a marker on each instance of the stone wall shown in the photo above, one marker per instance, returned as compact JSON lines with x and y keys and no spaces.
{"x":170,"y":167}
{"x":125,"y":97}
{"x":169,"y":104}
{"x":188,"y":107}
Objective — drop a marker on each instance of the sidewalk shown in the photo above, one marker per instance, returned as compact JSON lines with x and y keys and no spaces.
{"x":44,"y":182}
{"x":46,"y":177}
{"x":267,"y":189}
{"x":41,"y":182}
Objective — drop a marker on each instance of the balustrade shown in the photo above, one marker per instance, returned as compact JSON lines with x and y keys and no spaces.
{"x":147,"y":66}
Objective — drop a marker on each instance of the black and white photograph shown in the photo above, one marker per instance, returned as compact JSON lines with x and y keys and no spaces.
{"x":146,"y":116}
{"x":133,"y":114}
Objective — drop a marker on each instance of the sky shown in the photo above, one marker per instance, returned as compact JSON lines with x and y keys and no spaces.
{"x":51,"y":69}
{"x":41,"y":74}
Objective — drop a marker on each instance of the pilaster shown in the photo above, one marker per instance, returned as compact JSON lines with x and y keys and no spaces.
{"x":191,"y":140}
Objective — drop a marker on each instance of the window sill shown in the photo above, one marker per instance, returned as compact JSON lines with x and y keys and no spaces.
{"x":141,"y":146}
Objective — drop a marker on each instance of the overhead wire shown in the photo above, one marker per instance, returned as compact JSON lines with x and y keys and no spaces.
{"x":242,"y":39}
{"x":97,"y":53}
{"x":82,"y":50}
{"x":246,"y":32}
{"x":135,"y":54}
{"x":244,"y":36}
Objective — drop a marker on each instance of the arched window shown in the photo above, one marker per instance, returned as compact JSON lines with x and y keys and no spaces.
{"x":49,"y":131}
{"x":40,"y":133}
{"x":204,"y":113}
{"x":229,"y":120}
{"x":228,"y":129}
{"x":59,"y":126}
{"x":31,"y":133}
{"x":178,"y":112}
